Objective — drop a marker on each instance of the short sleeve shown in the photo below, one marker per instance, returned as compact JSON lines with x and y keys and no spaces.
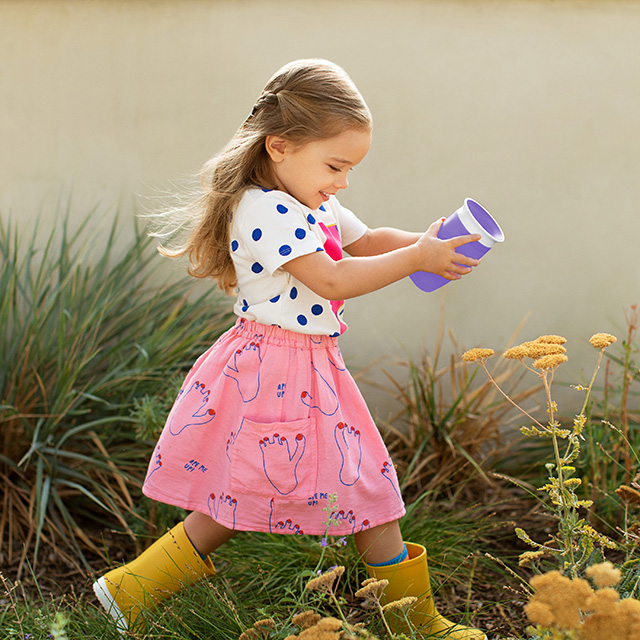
{"x":275,"y":230}
{"x":351,"y":227}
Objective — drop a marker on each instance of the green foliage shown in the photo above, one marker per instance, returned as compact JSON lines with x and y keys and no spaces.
{"x":629,"y":585}
{"x":450,"y":427}
{"x":575,"y":543}
{"x":610,"y":457}
{"x":86,"y":334}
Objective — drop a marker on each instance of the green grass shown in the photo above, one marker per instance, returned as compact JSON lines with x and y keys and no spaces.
{"x":263,"y":575}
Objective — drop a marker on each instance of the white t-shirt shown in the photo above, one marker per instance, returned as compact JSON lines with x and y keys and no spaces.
{"x":271,"y":228}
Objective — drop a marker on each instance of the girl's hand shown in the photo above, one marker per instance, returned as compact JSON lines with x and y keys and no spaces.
{"x":440,"y":257}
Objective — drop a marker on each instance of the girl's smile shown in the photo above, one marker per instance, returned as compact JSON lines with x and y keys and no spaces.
{"x":316,"y":170}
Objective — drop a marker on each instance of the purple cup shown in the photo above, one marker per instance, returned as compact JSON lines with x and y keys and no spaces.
{"x":471,"y":217}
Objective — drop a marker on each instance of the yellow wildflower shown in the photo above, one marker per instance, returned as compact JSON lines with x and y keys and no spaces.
{"x":267,"y":623}
{"x":549,"y":362}
{"x":602,"y":340}
{"x":372,"y":589}
{"x":611,"y":617}
{"x":477,"y":355}
{"x":524,"y":559}
{"x":566,"y":598}
{"x":329,"y":624}
{"x":629,"y":607}
{"x":604,"y":574}
{"x":515,"y":353}
{"x":325,"y":581}
{"x":628,"y":494}
{"x":601,"y":539}
{"x":602,"y":600}
{"x":368,"y":581}
{"x":306,"y":619}
{"x":325,"y":629}
{"x":537,"y":350}
{"x":319,"y":634}
{"x":534,"y":350}
{"x":551,"y":339}
{"x":540,"y":613}
{"x":399,"y":604}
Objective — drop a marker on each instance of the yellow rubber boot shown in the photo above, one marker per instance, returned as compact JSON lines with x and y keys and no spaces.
{"x":411,"y":578}
{"x":167,"y":566}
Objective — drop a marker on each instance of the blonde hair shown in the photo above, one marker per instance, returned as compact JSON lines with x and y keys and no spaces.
{"x":305,"y":100}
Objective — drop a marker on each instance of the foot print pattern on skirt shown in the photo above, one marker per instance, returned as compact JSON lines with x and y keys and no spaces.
{"x":277,"y":458}
{"x":246,"y":359}
{"x":287,"y":525}
{"x":222,"y":505}
{"x":331,"y":408}
{"x":196,"y":395}
{"x":348,"y":440}
{"x":157,"y":463}
{"x":388,"y":472}
{"x":232,"y":438}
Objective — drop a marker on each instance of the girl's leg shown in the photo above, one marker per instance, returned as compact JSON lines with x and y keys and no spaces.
{"x":381,"y":543}
{"x":205,"y":533}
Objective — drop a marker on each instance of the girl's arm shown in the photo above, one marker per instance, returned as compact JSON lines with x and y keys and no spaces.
{"x":355,"y":276}
{"x":380,"y":240}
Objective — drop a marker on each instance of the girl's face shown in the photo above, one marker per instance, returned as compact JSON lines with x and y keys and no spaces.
{"x":313,"y":171}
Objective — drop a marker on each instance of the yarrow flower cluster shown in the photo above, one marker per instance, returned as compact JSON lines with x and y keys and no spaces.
{"x":546,"y":363}
{"x":536,"y":349}
{"x":328,"y":628}
{"x":371,"y":591}
{"x":604,"y":574}
{"x":562,"y":604}
{"x":325,"y":581}
{"x":602,"y":340}
{"x":306,"y":619}
{"x":477,"y":355}
{"x":407,"y":601}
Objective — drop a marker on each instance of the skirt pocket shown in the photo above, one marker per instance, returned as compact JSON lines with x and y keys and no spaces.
{"x":275,"y":458}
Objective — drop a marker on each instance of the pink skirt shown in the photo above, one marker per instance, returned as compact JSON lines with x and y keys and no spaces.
{"x":268,"y":425}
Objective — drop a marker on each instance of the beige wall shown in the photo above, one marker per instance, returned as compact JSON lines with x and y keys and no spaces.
{"x":531,"y":107}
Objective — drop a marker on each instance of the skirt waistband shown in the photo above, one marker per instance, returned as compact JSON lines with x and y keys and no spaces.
{"x":273,"y":334}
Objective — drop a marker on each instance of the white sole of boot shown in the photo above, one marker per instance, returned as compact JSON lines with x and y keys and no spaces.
{"x":106,"y":600}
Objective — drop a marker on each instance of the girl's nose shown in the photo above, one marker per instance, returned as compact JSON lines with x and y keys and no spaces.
{"x":341,"y":181}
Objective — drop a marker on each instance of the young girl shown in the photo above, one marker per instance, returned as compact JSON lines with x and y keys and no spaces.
{"x":269,"y":422}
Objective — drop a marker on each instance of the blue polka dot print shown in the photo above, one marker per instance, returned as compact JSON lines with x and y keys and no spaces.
{"x":234,"y":245}
{"x":302,"y":320}
{"x":281,"y":208}
{"x":317,"y":309}
{"x":257,"y":234}
{"x":284,"y":250}
{"x":256,"y":267}
{"x":300,"y":234}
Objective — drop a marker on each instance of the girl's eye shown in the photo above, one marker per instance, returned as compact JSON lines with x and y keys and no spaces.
{"x":334,"y":168}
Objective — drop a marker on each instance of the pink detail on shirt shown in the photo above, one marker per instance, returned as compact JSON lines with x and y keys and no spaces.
{"x":333,"y":247}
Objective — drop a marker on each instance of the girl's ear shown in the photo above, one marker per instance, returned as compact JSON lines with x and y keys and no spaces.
{"x":276,"y":147}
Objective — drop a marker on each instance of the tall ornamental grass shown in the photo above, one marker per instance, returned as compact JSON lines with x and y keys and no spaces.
{"x":86,"y":332}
